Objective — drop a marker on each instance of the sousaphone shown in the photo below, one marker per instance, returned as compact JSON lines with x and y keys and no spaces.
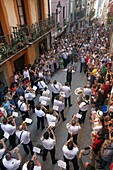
{"x":79,"y":91}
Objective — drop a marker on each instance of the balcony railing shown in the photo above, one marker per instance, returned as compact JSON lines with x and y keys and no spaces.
{"x":64,"y":22}
{"x":22,"y":36}
{"x":80,"y":14}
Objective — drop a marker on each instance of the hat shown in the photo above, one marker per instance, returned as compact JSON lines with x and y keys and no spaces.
{"x":111,"y":108}
{"x":111,"y":115}
{"x":99,"y":113}
{"x":94,"y":71}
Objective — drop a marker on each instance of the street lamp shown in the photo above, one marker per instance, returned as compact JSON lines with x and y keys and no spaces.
{"x":58,"y":11}
{"x":59,"y":7}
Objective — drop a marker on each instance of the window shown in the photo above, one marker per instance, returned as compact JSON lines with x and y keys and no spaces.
{"x":63,"y":12}
{"x":21,"y":12}
{"x":39,"y":9}
{"x":1,"y":30}
{"x":1,"y":33}
{"x":57,"y":15}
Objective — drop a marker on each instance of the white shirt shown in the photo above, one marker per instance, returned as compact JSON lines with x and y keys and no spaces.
{"x":41,"y":84}
{"x":60,"y":105}
{"x":8,"y":128}
{"x":44,"y":98}
{"x":22,"y":106}
{"x":87,"y":91}
{"x":51,"y":118}
{"x":40,"y":74}
{"x":35,"y":167}
{"x":4,"y":111}
{"x":55,"y":88}
{"x":70,"y":154}
{"x":29,"y":96}
{"x":83,"y":106}
{"x":67,"y":91}
{"x":49,"y":143}
{"x":26,"y":74}
{"x":12,"y":164}
{"x":25,"y":137}
{"x":1,"y":152}
{"x":74,"y":129}
{"x":39,"y":113}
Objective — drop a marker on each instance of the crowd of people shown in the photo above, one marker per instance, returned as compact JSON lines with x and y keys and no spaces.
{"x":90,"y":45}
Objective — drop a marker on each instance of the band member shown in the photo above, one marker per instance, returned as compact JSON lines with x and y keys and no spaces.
{"x":55,"y":90}
{"x":24,"y":136}
{"x":2,"y":151}
{"x":70,"y":151}
{"x":30,"y":98}
{"x":40,"y":116}
{"x":67,"y":91}
{"x":10,"y":129}
{"x":73,"y":129}
{"x":11,"y":163}
{"x":49,"y":145}
{"x":32,"y":164}
{"x":52,"y":116}
{"x":60,"y":104}
{"x":69,"y":76}
{"x":41,"y":85}
{"x":83,"y":108}
{"x":23,"y":107}
{"x":45,"y":97}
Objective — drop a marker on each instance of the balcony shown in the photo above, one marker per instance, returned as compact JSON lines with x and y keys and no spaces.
{"x":22,"y":36}
{"x":80,"y":14}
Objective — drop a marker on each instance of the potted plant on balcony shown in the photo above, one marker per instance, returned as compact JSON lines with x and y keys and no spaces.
{"x":13,"y":50}
{"x":2,"y":50}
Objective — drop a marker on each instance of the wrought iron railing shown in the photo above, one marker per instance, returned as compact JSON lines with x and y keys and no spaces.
{"x":81,"y":14}
{"x":22,"y":36}
{"x":64,"y":22}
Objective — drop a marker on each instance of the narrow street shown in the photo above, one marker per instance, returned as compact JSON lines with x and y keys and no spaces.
{"x":78,"y":80}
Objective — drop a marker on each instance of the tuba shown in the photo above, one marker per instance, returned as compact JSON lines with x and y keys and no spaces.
{"x":78,"y":91}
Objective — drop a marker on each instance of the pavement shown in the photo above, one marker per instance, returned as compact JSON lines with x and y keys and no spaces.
{"x":78,"y":80}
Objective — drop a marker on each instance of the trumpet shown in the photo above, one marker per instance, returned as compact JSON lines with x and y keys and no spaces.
{"x":47,"y":128}
{"x":31,"y":90}
{"x":18,"y":146}
{"x":44,"y":108}
{"x":28,"y":106}
{"x":56,"y":115}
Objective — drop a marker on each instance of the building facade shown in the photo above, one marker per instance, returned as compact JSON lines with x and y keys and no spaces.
{"x":25,"y":28}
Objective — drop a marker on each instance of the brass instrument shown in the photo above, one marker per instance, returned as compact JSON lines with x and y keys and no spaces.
{"x":56,"y":115}
{"x":47,"y":128}
{"x":28,"y":105}
{"x":44,"y":108}
{"x":79,"y":91}
{"x":18,"y":146}
{"x":31,"y":90}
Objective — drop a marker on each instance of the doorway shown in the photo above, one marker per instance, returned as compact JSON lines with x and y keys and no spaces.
{"x":19,"y":64}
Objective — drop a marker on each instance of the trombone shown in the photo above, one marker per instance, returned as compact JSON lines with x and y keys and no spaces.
{"x":18,"y":146}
